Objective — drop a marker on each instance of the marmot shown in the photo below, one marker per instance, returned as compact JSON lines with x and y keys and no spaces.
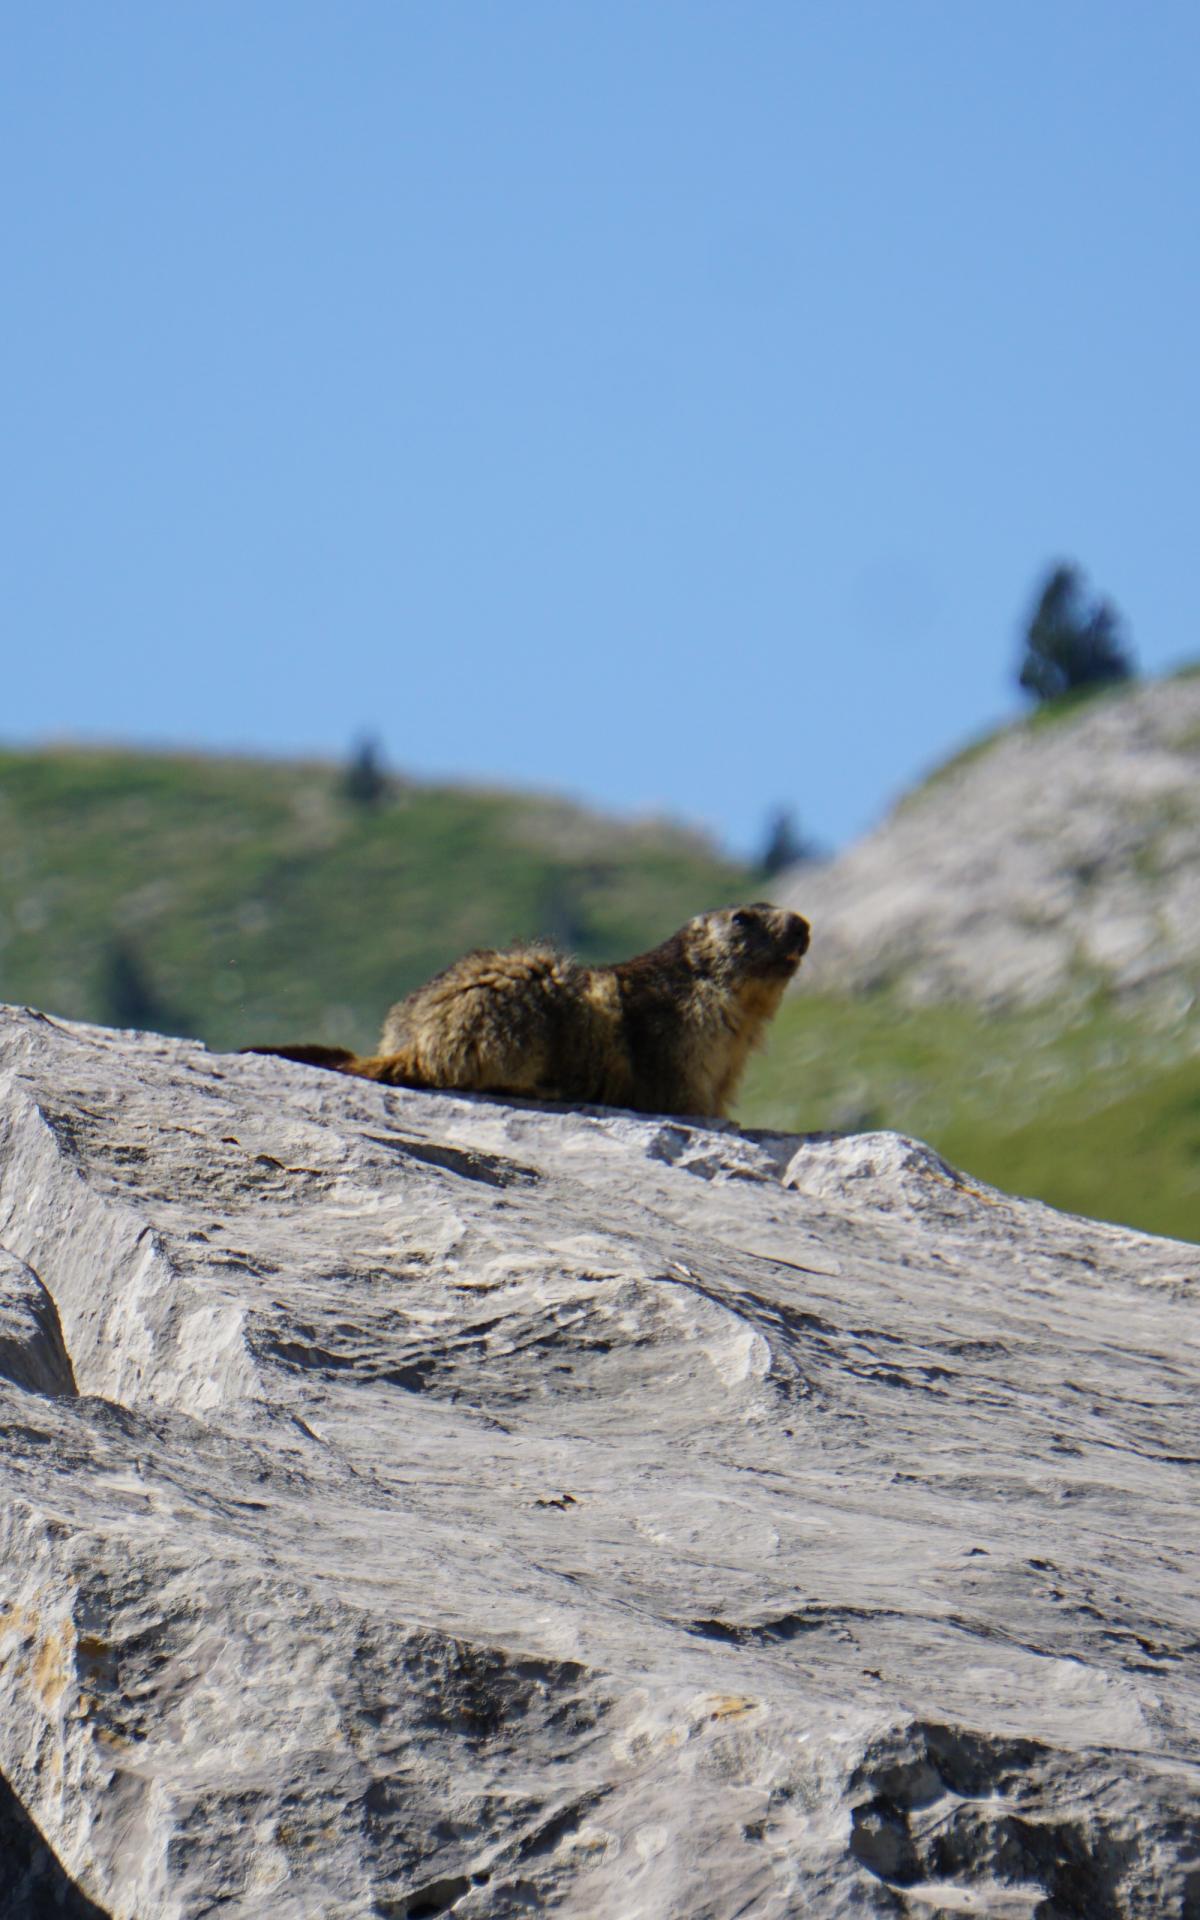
{"x":666,"y":1032}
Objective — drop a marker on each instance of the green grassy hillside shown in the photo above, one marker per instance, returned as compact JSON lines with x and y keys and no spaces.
{"x":1092,"y":1111}
{"x":242,"y":900}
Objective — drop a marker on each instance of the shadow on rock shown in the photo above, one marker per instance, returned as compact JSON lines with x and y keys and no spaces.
{"x":33,"y":1883}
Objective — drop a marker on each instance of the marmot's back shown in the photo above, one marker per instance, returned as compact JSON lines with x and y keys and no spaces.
{"x":526,"y":1021}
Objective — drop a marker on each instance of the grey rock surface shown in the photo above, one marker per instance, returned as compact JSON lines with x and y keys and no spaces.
{"x":417,"y":1505}
{"x":1067,"y":854}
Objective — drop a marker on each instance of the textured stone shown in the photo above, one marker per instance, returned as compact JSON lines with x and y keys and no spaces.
{"x":1062,"y":856}
{"x":419,"y":1505}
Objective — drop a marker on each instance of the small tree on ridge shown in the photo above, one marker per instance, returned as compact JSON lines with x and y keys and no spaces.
{"x":1069,"y":643}
{"x":784,"y":845}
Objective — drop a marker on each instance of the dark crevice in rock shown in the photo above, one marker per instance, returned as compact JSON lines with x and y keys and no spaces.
{"x":785,"y":1626}
{"x":546,"y":1837}
{"x":33,"y":1352}
{"x":436,"y":1896}
{"x":469,"y":1163}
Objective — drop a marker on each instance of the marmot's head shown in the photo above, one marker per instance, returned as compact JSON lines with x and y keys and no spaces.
{"x":758,"y":942}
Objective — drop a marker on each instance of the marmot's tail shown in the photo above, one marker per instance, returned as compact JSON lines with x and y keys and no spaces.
{"x":337,"y":1059}
{"x":392,"y":1068}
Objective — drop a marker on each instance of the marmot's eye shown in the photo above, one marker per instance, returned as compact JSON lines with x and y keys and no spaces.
{"x":743,"y":918}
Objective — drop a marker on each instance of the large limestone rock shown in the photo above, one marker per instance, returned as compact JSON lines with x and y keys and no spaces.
{"x":1061,"y":857}
{"x":415,"y":1506}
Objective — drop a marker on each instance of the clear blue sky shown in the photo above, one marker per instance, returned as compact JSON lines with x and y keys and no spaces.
{"x":670,"y":404}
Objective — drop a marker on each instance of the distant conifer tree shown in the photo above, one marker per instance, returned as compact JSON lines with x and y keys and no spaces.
{"x":1069,"y":643}
{"x":561,"y":918}
{"x":128,"y":996}
{"x":784,"y":845}
{"x":365,"y":782}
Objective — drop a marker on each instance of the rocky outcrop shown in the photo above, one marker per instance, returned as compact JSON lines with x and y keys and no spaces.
{"x":416,"y":1505}
{"x":1062,"y":856}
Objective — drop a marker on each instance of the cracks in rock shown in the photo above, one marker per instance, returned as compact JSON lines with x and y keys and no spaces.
{"x":783,"y":1627}
{"x":544,"y":1837}
{"x":566,"y":1347}
{"x":990,"y":1820}
{"x":469,"y":1163}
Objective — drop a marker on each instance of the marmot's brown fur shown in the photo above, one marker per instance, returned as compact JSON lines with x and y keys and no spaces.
{"x":666,"y":1032}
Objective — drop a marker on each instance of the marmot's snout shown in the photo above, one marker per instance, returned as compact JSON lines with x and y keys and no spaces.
{"x":796,"y":934}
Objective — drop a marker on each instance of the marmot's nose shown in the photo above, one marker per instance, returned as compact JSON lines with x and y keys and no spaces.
{"x":798,"y":934}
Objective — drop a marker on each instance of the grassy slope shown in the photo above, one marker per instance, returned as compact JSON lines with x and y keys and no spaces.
{"x":263,"y":906}
{"x":1100,"y":1114}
